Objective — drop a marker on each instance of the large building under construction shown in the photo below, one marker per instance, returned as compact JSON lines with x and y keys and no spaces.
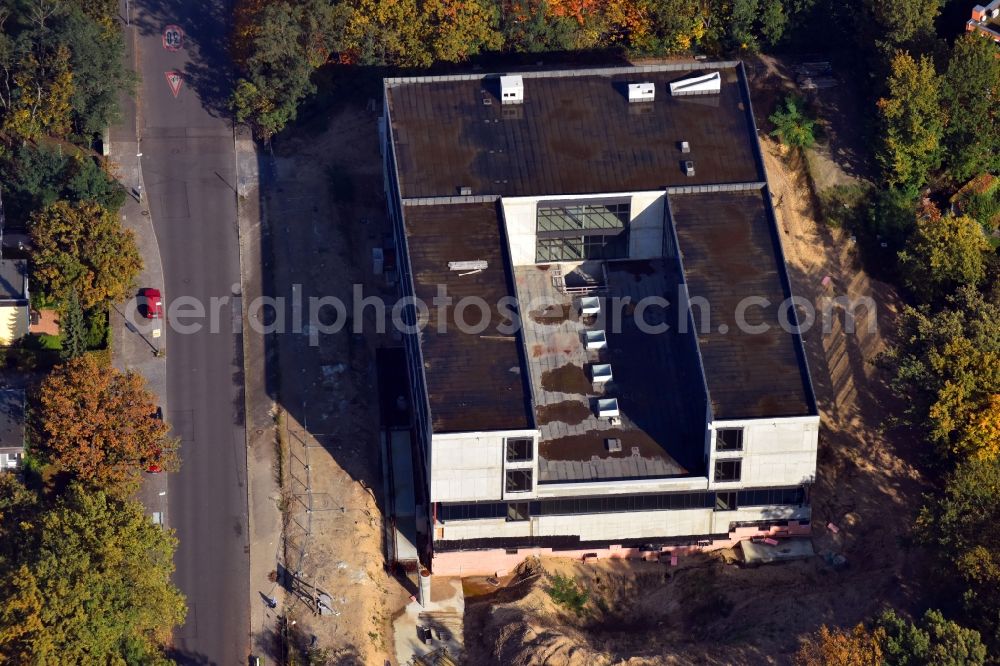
{"x":615,"y":371}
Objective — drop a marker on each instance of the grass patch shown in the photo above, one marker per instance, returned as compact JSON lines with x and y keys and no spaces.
{"x":844,"y":206}
{"x":567,"y":593}
{"x":48,"y":341}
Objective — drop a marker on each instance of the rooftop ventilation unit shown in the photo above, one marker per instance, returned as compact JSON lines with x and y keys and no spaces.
{"x":590,"y":306}
{"x":600,"y":373}
{"x":468,"y":267}
{"x":706,"y":84}
{"x":511,"y":89}
{"x":596,"y":340}
{"x":641,"y":92}
{"x":608,"y":408}
{"x":685,"y":147}
{"x":614,"y":445}
{"x":465,"y":191}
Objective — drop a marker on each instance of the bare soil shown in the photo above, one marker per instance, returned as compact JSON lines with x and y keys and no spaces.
{"x":325,"y":209}
{"x":710,"y":610}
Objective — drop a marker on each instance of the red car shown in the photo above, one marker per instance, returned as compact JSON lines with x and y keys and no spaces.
{"x":150,"y":298}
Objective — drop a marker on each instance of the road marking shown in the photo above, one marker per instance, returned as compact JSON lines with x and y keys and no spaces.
{"x":173,"y":37}
{"x":174,"y":80}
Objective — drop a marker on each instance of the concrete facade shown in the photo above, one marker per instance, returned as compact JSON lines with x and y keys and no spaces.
{"x":470,"y":467}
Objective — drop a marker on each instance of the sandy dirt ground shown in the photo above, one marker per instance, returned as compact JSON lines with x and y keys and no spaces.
{"x":325,"y":209}
{"x":708,"y":611}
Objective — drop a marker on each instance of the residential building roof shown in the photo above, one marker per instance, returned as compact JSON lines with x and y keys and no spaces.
{"x":11,"y":420}
{"x":574,"y":133}
{"x":13,"y":279}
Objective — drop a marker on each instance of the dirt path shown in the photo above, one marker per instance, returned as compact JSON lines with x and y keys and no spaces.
{"x":326,"y":212}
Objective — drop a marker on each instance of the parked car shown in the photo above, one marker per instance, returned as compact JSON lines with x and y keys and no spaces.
{"x":151,"y":303}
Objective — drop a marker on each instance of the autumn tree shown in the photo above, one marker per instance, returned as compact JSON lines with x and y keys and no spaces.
{"x":462,"y":28}
{"x":99,"y":424}
{"x":943,"y":253}
{"x":90,"y":585}
{"x":63,"y":68}
{"x":970,"y":90}
{"x":946,"y":368}
{"x":933,"y":641}
{"x":39,"y":103}
{"x":841,"y":647}
{"x":912,"y":123}
{"x":962,"y":527}
{"x":83,"y":247}
{"x":667,"y":26}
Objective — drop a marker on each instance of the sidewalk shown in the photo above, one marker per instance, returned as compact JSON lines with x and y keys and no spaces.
{"x":133,"y":346}
{"x":263,"y":468}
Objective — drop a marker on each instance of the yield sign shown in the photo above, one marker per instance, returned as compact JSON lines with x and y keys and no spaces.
{"x":174,"y":79}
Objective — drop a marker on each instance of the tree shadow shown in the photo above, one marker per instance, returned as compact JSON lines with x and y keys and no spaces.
{"x":209,"y":70}
{"x":187,"y":657}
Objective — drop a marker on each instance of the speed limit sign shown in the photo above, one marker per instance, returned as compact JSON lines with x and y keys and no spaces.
{"x":173,"y":38}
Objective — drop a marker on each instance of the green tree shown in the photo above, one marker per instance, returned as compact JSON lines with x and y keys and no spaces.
{"x":962,"y":527}
{"x":97,"y":61}
{"x":278,"y":45}
{"x":72,"y":328}
{"x":901,"y":23}
{"x":912,"y":122}
{"x":100,"y":425}
{"x":970,"y":90}
{"x":88,"y":181}
{"x":935,"y":641}
{"x":943,"y":253}
{"x":91,"y":586}
{"x":946,"y":368}
{"x":83,"y":247}
{"x":791,"y":124}
{"x":671,"y":26}
{"x":529,"y":27}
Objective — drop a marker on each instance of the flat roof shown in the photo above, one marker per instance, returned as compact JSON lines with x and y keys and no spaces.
{"x":11,"y":420}
{"x":474,"y":380}
{"x":13,"y":273}
{"x":656,"y":377}
{"x":575,"y":133}
{"x":730,"y":251}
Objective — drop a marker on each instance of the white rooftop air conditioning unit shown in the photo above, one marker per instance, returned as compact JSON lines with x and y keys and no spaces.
{"x":596,"y":340}
{"x":600,"y":373}
{"x":705,"y":84}
{"x":511,"y":89}
{"x":607,"y":408}
{"x":641,"y":92}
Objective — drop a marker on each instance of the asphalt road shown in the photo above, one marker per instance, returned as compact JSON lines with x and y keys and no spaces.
{"x":188,"y":167}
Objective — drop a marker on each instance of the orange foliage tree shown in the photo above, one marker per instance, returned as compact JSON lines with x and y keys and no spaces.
{"x":100,"y":425}
{"x":841,"y":647}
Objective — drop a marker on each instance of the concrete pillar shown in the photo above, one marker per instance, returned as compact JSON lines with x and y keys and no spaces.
{"x":424,"y":587}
